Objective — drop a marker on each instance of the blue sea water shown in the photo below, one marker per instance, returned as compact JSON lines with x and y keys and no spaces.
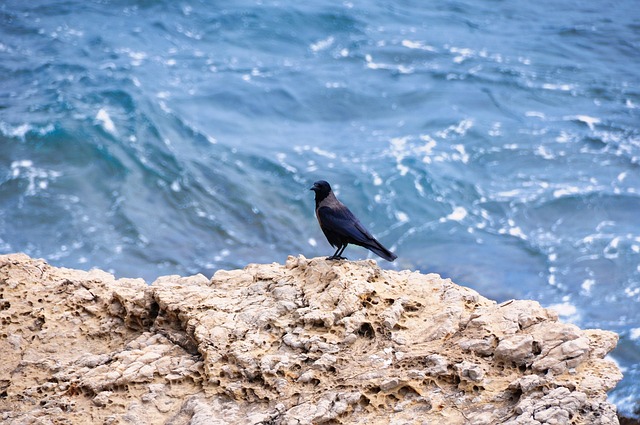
{"x":494,"y":142}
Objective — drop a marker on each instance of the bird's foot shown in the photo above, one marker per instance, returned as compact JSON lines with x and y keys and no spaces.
{"x":336,"y":257}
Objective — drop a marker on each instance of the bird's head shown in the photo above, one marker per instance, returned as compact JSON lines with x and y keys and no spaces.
{"x":321,"y":188}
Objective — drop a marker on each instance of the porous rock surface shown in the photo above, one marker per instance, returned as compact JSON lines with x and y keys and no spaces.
{"x":311,"y":341}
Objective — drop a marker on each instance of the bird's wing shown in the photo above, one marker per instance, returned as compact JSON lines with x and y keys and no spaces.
{"x":343,"y":222}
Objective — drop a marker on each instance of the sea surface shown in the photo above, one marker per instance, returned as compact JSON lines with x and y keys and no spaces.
{"x":494,"y":142}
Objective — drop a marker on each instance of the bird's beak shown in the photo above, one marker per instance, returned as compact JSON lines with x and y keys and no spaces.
{"x":314,"y":187}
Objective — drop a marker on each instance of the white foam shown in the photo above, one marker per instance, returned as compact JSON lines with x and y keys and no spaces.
{"x":564,"y":309}
{"x":417,"y":45}
{"x":463,"y":53}
{"x":460,"y":128}
{"x":21,"y":130}
{"x":402,"y":69}
{"x":164,"y":107}
{"x":324,"y":153}
{"x":535,"y":114}
{"x":458,"y":214}
{"x":418,"y":187}
{"x":221,"y":255}
{"x":514,"y":231}
{"x":377,"y":180}
{"x":634,"y":333}
{"x":587,"y":285}
{"x":558,"y":87}
{"x":399,"y":142}
{"x":401,"y":216}
{"x":514,"y":193}
{"x":137,"y":57}
{"x":632,"y":292}
{"x":611,"y":250}
{"x":427,"y":148}
{"x":517,"y":232}
{"x":543,"y":152}
{"x":38,"y":178}
{"x":495,"y":129}
{"x":105,"y":121}
{"x":462,"y":155}
{"x":590,"y":121}
{"x":322,"y":44}
{"x":571,"y":190}
{"x":16,"y":165}
{"x":398,"y":150}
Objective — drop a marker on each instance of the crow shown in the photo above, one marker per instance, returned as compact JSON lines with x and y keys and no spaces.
{"x":341,"y":227}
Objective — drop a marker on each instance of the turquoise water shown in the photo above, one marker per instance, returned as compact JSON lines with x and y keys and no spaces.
{"x":496,"y":143}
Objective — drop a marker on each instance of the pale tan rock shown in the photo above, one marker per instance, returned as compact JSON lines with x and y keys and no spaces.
{"x":517,"y":348}
{"x":307,"y":342}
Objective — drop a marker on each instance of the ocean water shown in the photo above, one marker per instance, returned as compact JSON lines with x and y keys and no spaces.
{"x":494,"y":142}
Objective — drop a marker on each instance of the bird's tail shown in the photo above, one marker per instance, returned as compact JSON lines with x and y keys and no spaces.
{"x":382,"y":251}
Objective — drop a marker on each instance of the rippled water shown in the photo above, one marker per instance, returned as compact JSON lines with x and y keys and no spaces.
{"x":496,"y":143}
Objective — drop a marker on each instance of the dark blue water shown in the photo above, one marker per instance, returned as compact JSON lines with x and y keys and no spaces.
{"x":494,"y":142}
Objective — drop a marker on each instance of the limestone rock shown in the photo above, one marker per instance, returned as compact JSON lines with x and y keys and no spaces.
{"x":311,"y":341}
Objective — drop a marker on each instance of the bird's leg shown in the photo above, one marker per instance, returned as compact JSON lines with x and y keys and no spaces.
{"x":341,"y":251}
{"x":338,"y":254}
{"x":335,"y":254}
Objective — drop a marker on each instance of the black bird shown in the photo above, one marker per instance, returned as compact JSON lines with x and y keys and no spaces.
{"x":341,"y":227}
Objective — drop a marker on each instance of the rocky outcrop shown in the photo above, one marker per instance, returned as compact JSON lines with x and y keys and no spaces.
{"x":311,"y":341}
